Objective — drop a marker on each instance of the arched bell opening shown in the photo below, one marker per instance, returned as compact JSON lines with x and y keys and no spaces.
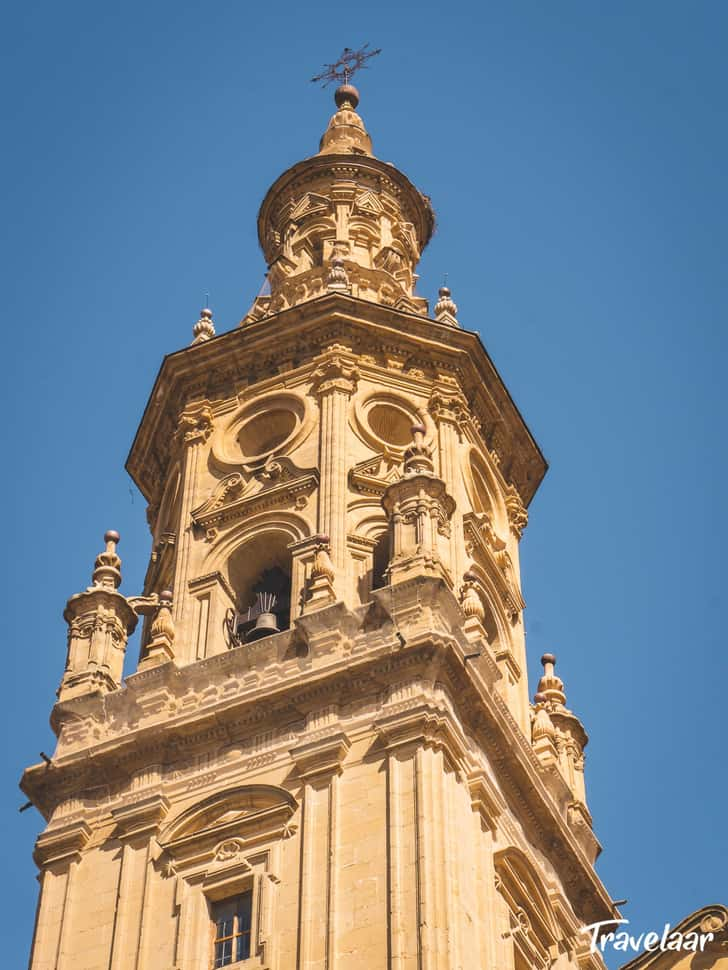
{"x":380,"y":561}
{"x":259,"y":572}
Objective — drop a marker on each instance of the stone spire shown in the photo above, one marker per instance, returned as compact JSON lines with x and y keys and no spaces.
{"x":346,"y":131}
{"x":570,"y":737}
{"x":446,"y":310}
{"x":107,"y":568}
{"x":204,"y":329}
{"x":100,"y":620}
{"x":551,"y":686}
{"x":419,"y":509}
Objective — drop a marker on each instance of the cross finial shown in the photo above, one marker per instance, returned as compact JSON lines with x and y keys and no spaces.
{"x":347,"y":65}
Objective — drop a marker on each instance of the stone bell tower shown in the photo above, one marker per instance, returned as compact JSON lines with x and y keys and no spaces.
{"x":327,"y":757}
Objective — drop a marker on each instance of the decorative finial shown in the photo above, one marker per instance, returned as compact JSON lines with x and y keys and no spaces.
{"x":107,"y":568}
{"x":320,"y":590}
{"x":446,"y":310}
{"x":347,"y":65}
{"x":338,"y":278}
{"x":551,"y":686}
{"x":346,"y":96}
{"x":418,"y":456}
{"x":204,"y":329}
{"x":160,"y":648}
{"x":322,"y":565}
{"x":470,"y":600}
{"x":543,"y":726}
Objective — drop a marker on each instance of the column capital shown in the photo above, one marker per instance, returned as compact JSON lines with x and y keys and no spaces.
{"x":448,"y":404}
{"x":321,"y":757}
{"x":335,"y":373}
{"x":65,"y":842}
{"x":140,"y":817}
{"x":195,"y":423}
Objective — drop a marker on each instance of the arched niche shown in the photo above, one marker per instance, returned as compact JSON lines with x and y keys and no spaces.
{"x":496,"y":621}
{"x":369,"y":547}
{"x":168,"y":513}
{"x":533,"y":926}
{"x":484,"y":491}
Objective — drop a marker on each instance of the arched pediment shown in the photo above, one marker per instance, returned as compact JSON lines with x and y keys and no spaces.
{"x":249,"y":810}
{"x":524,"y":891}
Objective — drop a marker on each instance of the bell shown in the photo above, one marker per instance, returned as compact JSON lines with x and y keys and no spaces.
{"x":265,"y":626}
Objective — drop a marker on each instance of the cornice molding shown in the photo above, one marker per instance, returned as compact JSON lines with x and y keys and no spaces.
{"x":64,"y":843}
{"x":219,"y":368}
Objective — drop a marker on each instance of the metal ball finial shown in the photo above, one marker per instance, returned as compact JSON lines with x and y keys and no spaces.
{"x":346,"y":93}
{"x":111,"y":535}
{"x":548,"y":658}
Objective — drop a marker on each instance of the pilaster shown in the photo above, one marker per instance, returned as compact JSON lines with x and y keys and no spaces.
{"x":194,"y":428}
{"x":319,"y":763}
{"x":448,"y":407}
{"x":58,"y":854}
{"x":335,"y":380}
{"x":136,"y":824}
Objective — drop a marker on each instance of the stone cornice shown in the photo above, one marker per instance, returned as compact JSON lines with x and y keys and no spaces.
{"x":406,"y":725}
{"x":219,"y":367}
{"x":350,"y":166}
{"x":140,"y":817}
{"x":430,"y":645}
{"x":62,"y":843}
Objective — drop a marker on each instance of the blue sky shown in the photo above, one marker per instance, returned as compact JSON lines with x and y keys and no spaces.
{"x":575,"y":154}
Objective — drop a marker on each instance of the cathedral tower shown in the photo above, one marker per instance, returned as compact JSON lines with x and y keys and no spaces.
{"x":327,"y":757}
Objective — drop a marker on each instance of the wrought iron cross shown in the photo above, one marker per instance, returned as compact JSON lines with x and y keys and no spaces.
{"x":348,"y":64}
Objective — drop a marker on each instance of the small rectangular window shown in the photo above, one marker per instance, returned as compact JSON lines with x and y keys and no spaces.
{"x":232,"y":925}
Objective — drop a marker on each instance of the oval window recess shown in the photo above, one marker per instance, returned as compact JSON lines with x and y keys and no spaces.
{"x":266,"y":432}
{"x":391,"y":424}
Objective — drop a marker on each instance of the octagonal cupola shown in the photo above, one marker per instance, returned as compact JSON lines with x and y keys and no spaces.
{"x":343,"y":220}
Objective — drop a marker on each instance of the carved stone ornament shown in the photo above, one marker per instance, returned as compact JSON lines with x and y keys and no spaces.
{"x":335,"y":374}
{"x":228,"y":850}
{"x":517,"y":513}
{"x":235,"y":497}
{"x":196,"y":423}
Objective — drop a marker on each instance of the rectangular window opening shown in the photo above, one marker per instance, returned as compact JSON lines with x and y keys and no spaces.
{"x":232,"y":920}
